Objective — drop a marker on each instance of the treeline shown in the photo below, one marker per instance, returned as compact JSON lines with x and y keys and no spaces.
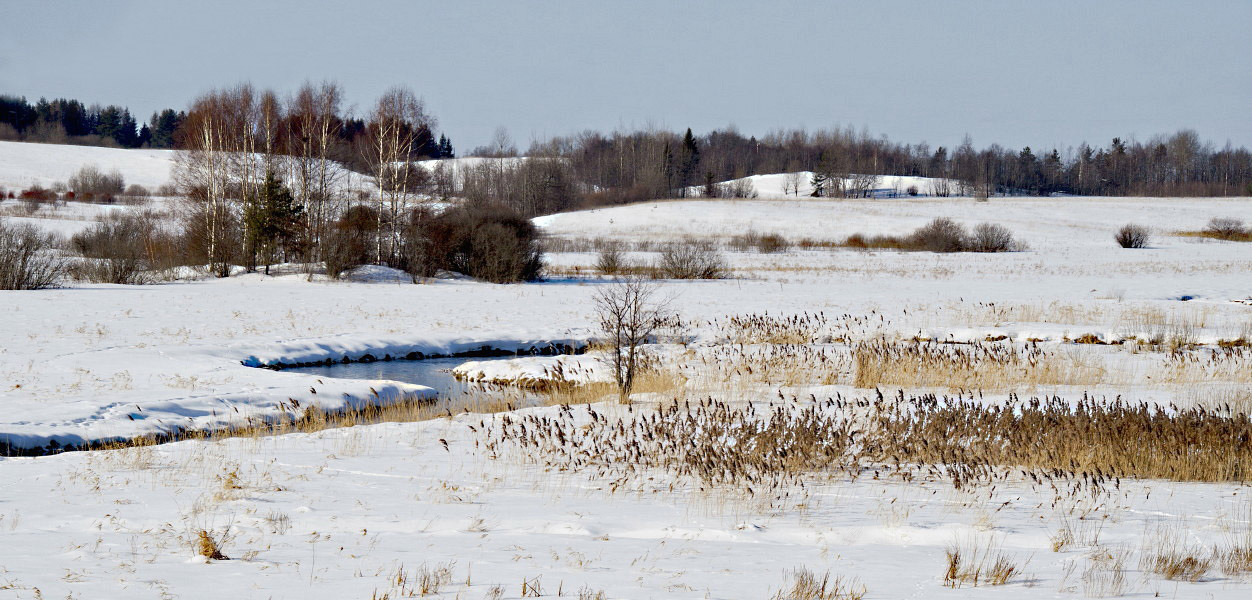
{"x":64,"y":121}
{"x":67,"y":121}
{"x":627,"y":166}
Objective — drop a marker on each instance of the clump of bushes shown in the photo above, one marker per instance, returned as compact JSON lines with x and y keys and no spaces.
{"x":692,"y":259}
{"x":28,"y":259}
{"x":991,"y":237}
{"x":489,"y":243}
{"x":89,"y":183}
{"x":494,"y":244}
{"x":1227,"y":228}
{"x":124,"y":249}
{"x":351,"y":240}
{"x":610,"y":260}
{"x":1132,"y":236}
{"x":769,"y":243}
{"x":942,"y":235}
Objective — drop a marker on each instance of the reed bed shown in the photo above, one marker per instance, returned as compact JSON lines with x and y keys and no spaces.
{"x":988,"y":366}
{"x":764,"y":450}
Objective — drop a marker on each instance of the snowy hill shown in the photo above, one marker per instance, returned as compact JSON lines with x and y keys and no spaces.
{"x":23,"y":165}
{"x":800,"y":184}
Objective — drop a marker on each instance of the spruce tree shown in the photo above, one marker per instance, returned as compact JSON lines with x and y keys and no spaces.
{"x":272,"y":222}
{"x":690,"y":163}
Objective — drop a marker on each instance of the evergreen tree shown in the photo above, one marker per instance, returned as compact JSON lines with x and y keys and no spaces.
{"x":272,"y":223}
{"x":445,"y":147}
{"x":689,"y":164}
{"x":163,"y":125}
{"x":145,"y":137}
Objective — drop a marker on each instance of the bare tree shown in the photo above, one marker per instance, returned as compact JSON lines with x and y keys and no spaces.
{"x":202,"y":173}
{"x":396,"y":125}
{"x":791,"y":183}
{"x":629,"y":312}
{"x":314,"y":128}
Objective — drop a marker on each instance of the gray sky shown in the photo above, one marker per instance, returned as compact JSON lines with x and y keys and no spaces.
{"x":1042,"y":73}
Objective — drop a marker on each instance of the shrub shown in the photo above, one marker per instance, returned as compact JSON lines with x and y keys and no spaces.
{"x":1132,"y":236}
{"x":1226,"y":228}
{"x":611,"y":260}
{"x":491,"y":243}
{"x":351,"y":240}
{"x":121,"y":249}
{"x":990,"y":237}
{"x":27,"y":259}
{"x":941,"y":235}
{"x":38,"y":193}
{"x":90,"y":183}
{"x":692,"y":259}
{"x":135,"y":190}
{"x":912,"y":190}
{"x":771,"y":243}
{"x":768,"y":244}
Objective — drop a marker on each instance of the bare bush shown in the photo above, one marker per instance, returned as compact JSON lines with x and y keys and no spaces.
{"x":351,"y":240}
{"x":27,"y":258}
{"x":122,"y":249}
{"x":991,"y":237}
{"x":769,"y":243}
{"x":692,"y":259}
{"x":941,"y":235}
{"x":1226,"y":228}
{"x":90,"y":183}
{"x":610,"y":260}
{"x":1132,"y":236}
{"x":135,"y":190}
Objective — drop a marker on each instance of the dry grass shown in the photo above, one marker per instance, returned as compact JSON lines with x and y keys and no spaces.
{"x":1168,"y":553}
{"x":209,"y":545}
{"x":1105,"y":573}
{"x":978,"y":563}
{"x":1084,"y":446}
{"x":426,"y":581}
{"x":807,"y":586}
{"x":987,"y":366}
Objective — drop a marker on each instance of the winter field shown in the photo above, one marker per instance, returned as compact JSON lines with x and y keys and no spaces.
{"x":784,"y":429}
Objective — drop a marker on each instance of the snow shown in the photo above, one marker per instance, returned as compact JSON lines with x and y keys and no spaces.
{"x":337,"y":513}
{"x":24,"y":164}
{"x":800,"y":184}
{"x":80,"y":358}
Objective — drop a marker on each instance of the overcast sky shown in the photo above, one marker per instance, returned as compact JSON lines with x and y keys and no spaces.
{"x":1040,"y":73}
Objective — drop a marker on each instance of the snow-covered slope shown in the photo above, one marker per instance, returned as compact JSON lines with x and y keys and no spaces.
{"x":23,"y":165}
{"x":800,"y":184}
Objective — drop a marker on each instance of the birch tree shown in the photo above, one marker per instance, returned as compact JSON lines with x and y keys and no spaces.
{"x":395,"y":127}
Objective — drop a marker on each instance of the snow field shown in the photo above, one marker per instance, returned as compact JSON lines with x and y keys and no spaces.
{"x":345,"y":513}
